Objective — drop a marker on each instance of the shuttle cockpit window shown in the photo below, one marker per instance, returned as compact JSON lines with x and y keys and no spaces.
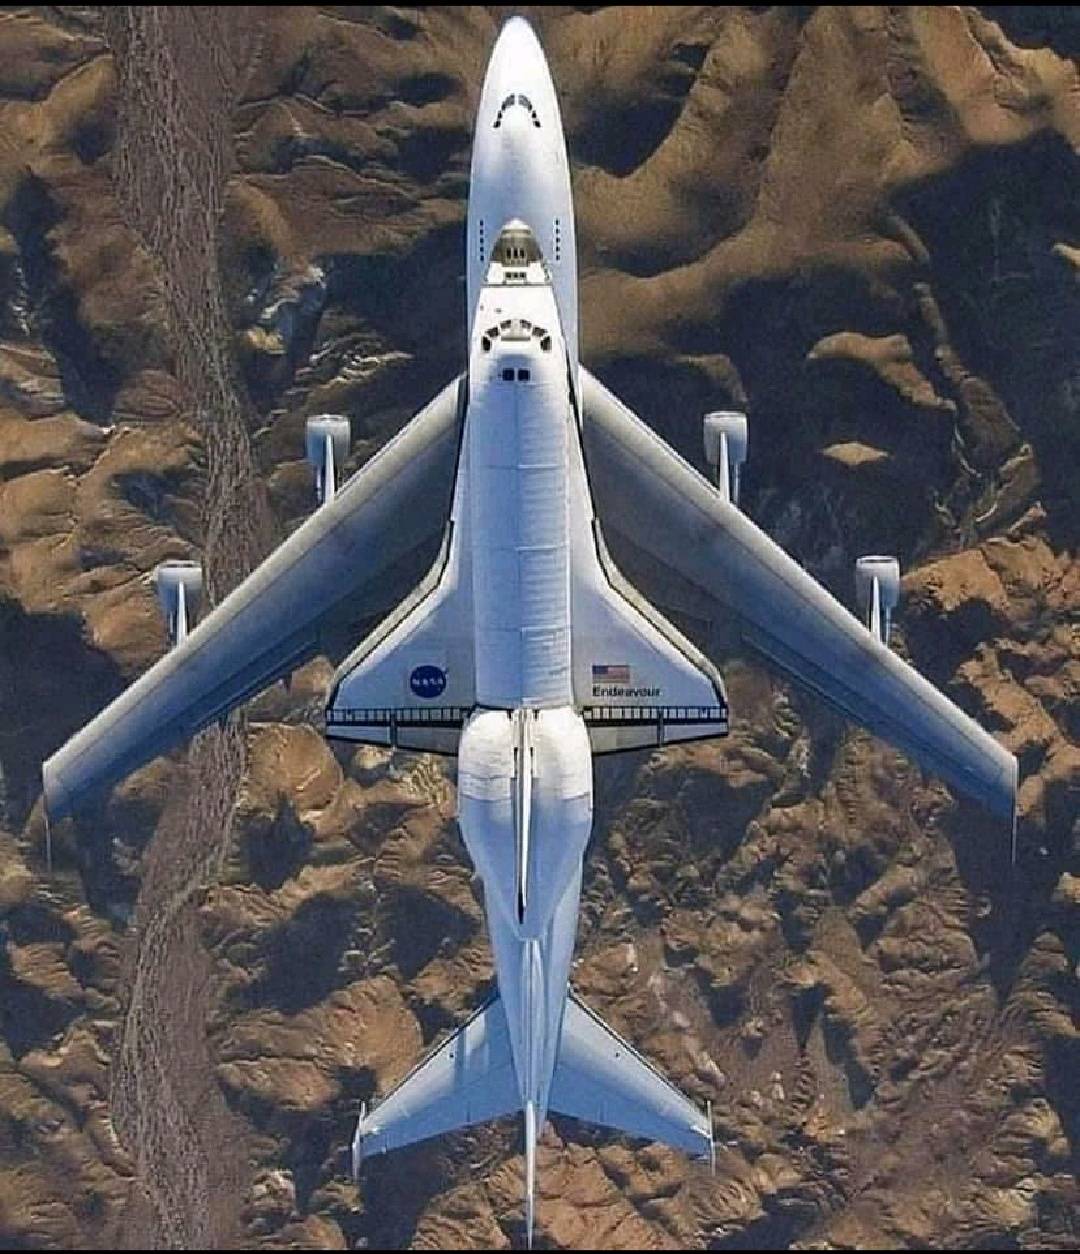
{"x":515,"y":329}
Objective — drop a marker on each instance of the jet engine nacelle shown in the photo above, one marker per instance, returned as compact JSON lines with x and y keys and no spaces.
{"x":877,"y":592}
{"x":726,"y":438}
{"x":327,"y":440}
{"x":178,"y":585}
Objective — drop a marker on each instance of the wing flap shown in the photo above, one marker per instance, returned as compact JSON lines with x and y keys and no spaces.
{"x":648,"y":494}
{"x":342,"y":566}
{"x":601,"y":1079}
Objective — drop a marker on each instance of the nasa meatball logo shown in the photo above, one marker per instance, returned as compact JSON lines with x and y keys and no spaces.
{"x":428,"y":682}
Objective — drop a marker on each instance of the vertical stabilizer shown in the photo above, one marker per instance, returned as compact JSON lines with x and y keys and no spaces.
{"x":523,"y":765}
{"x":530,"y":1171}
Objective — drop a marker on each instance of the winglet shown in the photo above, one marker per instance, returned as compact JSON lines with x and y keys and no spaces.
{"x":48,"y":834}
{"x":358,"y":1143}
{"x":530,"y":1172}
{"x":712,"y":1138}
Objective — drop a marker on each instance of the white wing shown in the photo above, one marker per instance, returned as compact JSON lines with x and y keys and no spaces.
{"x":413,"y":682}
{"x":318,"y":590}
{"x":647,"y":494}
{"x":469,"y":1079}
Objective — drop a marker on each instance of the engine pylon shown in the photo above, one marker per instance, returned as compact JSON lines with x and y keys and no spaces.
{"x":877,"y":592}
{"x":326,"y":443}
{"x":726,"y":438}
{"x":178,"y":585}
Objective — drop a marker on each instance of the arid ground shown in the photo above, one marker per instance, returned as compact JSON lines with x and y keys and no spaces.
{"x":862,"y":224}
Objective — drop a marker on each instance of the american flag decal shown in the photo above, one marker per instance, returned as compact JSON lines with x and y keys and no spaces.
{"x":611,"y":674}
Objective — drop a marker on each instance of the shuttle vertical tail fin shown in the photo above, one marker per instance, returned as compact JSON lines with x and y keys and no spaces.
{"x":523,"y":777}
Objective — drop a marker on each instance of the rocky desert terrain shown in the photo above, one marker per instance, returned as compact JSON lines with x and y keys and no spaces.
{"x":860,"y":223}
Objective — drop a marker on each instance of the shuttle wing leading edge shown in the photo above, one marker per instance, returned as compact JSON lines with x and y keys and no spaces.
{"x":644,"y":491}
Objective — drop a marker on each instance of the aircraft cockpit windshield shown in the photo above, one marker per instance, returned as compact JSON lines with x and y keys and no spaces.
{"x":516,"y":257}
{"x":516,"y":98}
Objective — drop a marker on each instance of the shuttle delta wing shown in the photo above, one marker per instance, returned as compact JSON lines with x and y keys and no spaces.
{"x":601,"y":1079}
{"x":636,"y":678}
{"x":646,"y":493}
{"x":347,"y":564}
{"x":412,"y":683}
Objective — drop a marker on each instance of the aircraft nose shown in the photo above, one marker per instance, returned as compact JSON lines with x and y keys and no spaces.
{"x":517,"y":60}
{"x":517,"y":45}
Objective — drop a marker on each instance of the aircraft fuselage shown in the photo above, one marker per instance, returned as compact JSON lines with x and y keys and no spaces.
{"x":524,"y":761}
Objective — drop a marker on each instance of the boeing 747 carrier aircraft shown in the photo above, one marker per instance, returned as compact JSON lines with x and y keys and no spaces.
{"x":523,"y":650}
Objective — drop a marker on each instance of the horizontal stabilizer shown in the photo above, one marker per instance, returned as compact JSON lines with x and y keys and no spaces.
{"x":469,"y":1079}
{"x":601,"y":1079}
